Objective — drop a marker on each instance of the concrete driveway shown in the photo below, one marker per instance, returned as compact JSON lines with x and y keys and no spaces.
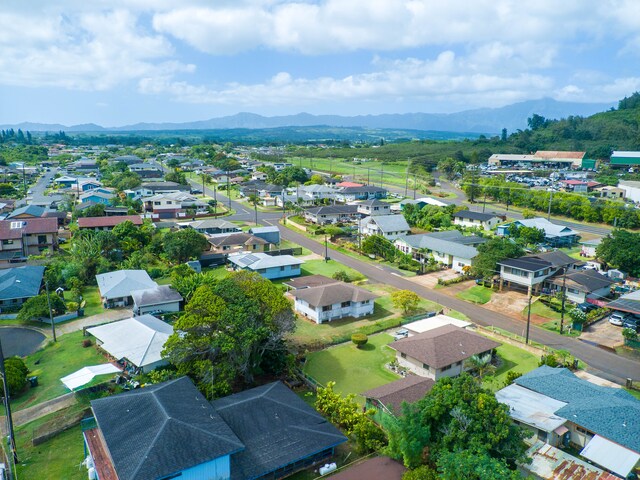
{"x":430,"y":280}
{"x":603,"y":333}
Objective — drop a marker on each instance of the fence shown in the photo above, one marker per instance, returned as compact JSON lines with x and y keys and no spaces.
{"x":513,"y":339}
{"x":60,"y":318}
{"x":285,"y":251}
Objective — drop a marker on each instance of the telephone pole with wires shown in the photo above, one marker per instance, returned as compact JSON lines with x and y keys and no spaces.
{"x":7,"y":407}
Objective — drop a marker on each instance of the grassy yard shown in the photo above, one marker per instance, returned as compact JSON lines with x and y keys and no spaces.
{"x":539,"y":308}
{"x":477,"y":294}
{"x":354,"y":370}
{"x":52,"y":363}
{"x":513,"y":359}
{"x":320,"y":267}
{"x":91,"y":295}
{"x":635,"y":393}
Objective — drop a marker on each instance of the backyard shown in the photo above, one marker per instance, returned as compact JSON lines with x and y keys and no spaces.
{"x":53,"y":362}
{"x":91,"y":295}
{"x":513,"y":359}
{"x":354,"y":370}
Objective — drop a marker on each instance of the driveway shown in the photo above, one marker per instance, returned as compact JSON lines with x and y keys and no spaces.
{"x":603,"y":333}
{"x":110,"y":315}
{"x":430,"y":280}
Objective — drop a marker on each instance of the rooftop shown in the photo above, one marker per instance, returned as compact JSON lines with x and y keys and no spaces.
{"x":468,"y":214}
{"x":93,"y":222}
{"x":14,"y":229}
{"x":235,"y":238}
{"x":409,"y":389}
{"x":388,"y":223}
{"x":120,"y":283}
{"x":20,"y":282}
{"x":256,"y":261}
{"x":331,"y":294}
{"x":155,"y":296}
{"x":309,"y":281}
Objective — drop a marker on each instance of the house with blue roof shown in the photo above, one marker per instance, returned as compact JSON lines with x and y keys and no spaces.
{"x":19,"y":284}
{"x":562,"y":409}
{"x":269,"y":267}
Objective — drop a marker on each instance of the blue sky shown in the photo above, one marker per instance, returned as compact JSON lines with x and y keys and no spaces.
{"x":120,"y":62}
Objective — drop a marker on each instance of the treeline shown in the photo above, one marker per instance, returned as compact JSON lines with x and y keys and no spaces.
{"x":12,"y":136}
{"x":32,"y":154}
{"x":572,"y":205}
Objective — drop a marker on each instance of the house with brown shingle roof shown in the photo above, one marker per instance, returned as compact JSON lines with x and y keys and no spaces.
{"x":107,"y":223}
{"x":236,"y":242}
{"x":441,"y":352}
{"x":327,"y":302}
{"x":389,"y":398}
{"x":27,"y":236}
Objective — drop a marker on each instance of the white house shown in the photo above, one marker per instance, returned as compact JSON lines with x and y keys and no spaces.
{"x":116,"y":287}
{"x":374,"y":207}
{"x":531,"y":271}
{"x":324,"y":303}
{"x":160,"y":299}
{"x":388,"y":226}
{"x":485,"y":221}
{"x":441,"y":352}
{"x":631,"y":189}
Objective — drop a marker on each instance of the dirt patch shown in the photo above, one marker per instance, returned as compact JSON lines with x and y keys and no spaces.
{"x":603,"y":333}
{"x":508,"y":302}
{"x":430,"y":280}
{"x":312,"y":256}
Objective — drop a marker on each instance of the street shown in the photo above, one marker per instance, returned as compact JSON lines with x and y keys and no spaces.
{"x":601,"y":362}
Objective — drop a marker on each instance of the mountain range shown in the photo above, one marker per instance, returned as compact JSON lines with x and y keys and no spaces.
{"x":482,"y":120}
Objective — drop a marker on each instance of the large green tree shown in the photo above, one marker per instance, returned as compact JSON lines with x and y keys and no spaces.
{"x":226,"y":330}
{"x":16,"y":371}
{"x":490,"y":253}
{"x":621,"y":249}
{"x":37,"y":307}
{"x":459,"y":417}
{"x":183,"y":245}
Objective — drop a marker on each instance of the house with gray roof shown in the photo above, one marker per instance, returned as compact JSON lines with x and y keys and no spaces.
{"x":211,"y":226}
{"x":470,"y":219}
{"x":331,"y":214}
{"x":235,"y":242}
{"x":160,"y":299}
{"x":330,"y":301}
{"x":532,"y":271}
{"x":555,"y":235}
{"x":627,"y":303}
{"x":116,"y":287}
{"x":270,"y":267}
{"x":449,"y":247}
{"x":441,"y":352}
{"x":19,"y":284}
{"x":362,"y":192}
{"x":563,"y":409}
{"x":387,"y":226}
{"x":581,"y":285}
{"x":270,"y":234}
{"x":374,"y":207}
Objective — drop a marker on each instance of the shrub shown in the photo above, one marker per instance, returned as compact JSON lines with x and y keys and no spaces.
{"x":511,"y":377}
{"x":72,"y":306}
{"x":629,"y":334}
{"x":359,"y":339}
{"x":16,"y":375}
{"x":86,"y":343}
{"x":342,"y":276}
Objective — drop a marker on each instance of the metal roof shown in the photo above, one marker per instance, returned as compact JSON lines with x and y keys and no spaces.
{"x":483,"y":217}
{"x":426,"y":324}
{"x":531,"y":407}
{"x":120,"y":283}
{"x":610,"y":455}
{"x":256,"y":261}
{"x":388,"y":223}
{"x":20,"y":282}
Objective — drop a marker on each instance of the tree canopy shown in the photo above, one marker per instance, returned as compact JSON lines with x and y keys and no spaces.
{"x":184,"y":245}
{"x":37,"y":307}
{"x":490,"y":253}
{"x":621,"y":249}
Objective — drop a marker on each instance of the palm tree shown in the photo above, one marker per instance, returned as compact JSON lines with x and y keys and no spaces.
{"x":481,"y":365}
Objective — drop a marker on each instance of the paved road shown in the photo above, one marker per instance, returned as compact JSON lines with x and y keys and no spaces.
{"x":601,"y":362}
{"x":37,"y":195}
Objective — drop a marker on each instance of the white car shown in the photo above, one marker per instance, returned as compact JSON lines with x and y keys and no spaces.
{"x":617,"y":319}
{"x":400,"y":334}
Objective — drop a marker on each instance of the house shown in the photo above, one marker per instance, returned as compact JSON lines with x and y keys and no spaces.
{"x":554,"y":235}
{"x":116,"y":211}
{"x":419,"y":203}
{"x":28,"y":211}
{"x":317,"y":192}
{"x":211,"y":226}
{"x":449,"y":247}
{"x":441,"y":352}
{"x":96,"y":196}
{"x":107,"y":223}
{"x":562,"y":409}
{"x":116,"y":287}
{"x":331,"y":214}
{"x":281,"y":266}
{"x":269,"y":234}
{"x":280,"y":432}
{"x":84,"y":165}
{"x":389,"y":226}
{"x":173,"y":205}
{"x":308,"y":281}
{"x":162,"y":431}
{"x":149,"y":189}
{"x":236,"y":242}
{"x":32,"y":236}
{"x":627,"y":303}
{"x":388,"y":398}
{"x":160,"y":299}
{"x":373,"y":207}
{"x":531,"y":271}
{"x":579,"y":185}
{"x":89,"y":184}
{"x":376,"y":468}
{"x":259,"y":176}
{"x":331,"y":301}
{"x":127,"y":159}
{"x":589,"y":247}
{"x":614,"y":193}
{"x":631,"y":189}
{"x":551,"y":463}
{"x":145,"y":167}
{"x":581,"y":285}
{"x":136,"y":342}
{"x":19,"y":284}
{"x":485,"y":221}
{"x":364,"y":192}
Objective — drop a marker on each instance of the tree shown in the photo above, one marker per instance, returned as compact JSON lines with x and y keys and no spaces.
{"x":527,"y":235}
{"x":451,"y":167}
{"x":481,"y":365}
{"x":503,"y":135}
{"x":490,"y":253}
{"x":379,"y":246}
{"x":342,"y":276}
{"x":359,"y":339}
{"x":468,"y":465}
{"x":620,"y":249}
{"x":536,"y":121}
{"x":316,"y":179}
{"x":6,"y":190}
{"x":184,"y":245}
{"x":406,"y":300}
{"x":37,"y":307}
{"x":226,"y":329}
{"x":457,"y":416}
{"x":16,"y":371}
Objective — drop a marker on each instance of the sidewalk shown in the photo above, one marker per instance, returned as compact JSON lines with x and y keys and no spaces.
{"x":108,"y":316}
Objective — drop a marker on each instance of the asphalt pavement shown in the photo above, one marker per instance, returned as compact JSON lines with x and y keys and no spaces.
{"x":37,"y":195}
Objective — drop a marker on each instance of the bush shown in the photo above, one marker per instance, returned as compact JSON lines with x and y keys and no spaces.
{"x":511,"y":377}
{"x":72,"y":306}
{"x":86,"y":343}
{"x":342,"y":276}
{"x":452,"y":281}
{"x":16,"y":371}
{"x":629,"y":334}
{"x":359,"y":339}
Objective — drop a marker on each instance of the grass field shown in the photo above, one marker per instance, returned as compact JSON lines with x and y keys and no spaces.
{"x":354,"y":370}
{"x":91,"y":295}
{"x":513,"y":359}
{"x":328,"y":269}
{"x":55,"y":361}
{"x":477,"y":294}
{"x":539,"y":308}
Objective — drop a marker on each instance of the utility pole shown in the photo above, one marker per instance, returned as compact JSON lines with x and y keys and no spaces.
{"x":484,"y":202}
{"x":255,"y":208}
{"x":203,"y":194}
{"x":215,"y":198}
{"x":326,"y":249}
{"x":415,"y":185}
{"x":368,"y":176}
{"x":381,"y":175}
{"x":526,"y":339}
{"x":284,"y":209}
{"x":564,"y":295}
{"x":550,"y":199}
{"x":53,"y":325}
{"x":406,"y":180}
{"x":7,"y":407}
{"x":229,"y":190}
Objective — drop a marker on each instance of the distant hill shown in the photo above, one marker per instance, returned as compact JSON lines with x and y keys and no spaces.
{"x":484,"y":120}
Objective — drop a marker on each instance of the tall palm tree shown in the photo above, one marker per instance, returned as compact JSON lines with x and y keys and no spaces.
{"x":481,"y":365}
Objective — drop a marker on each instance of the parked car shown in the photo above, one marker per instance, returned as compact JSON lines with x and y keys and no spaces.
{"x":400,"y":334}
{"x":586,"y":307}
{"x":632,"y":323}
{"x":617,"y":319}
{"x":196,"y":190}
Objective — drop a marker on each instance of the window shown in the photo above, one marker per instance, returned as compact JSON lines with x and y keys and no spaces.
{"x":262,"y":270}
{"x":282,"y":269}
{"x":225,"y":247}
{"x":425,"y":366}
{"x":345,"y":304}
{"x":156,"y":203}
{"x":583,"y":431}
{"x":444,"y":369}
{"x":42,"y":239}
{"x":327,"y":308}
{"x":7,"y":242}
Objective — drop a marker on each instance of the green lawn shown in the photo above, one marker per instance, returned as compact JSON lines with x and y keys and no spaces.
{"x":513,"y":359}
{"x":55,"y":361}
{"x":354,"y":370}
{"x":320,"y":267}
{"x":91,"y":295}
{"x":477,"y":294}
{"x":635,"y":393}
{"x":539,"y":308}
